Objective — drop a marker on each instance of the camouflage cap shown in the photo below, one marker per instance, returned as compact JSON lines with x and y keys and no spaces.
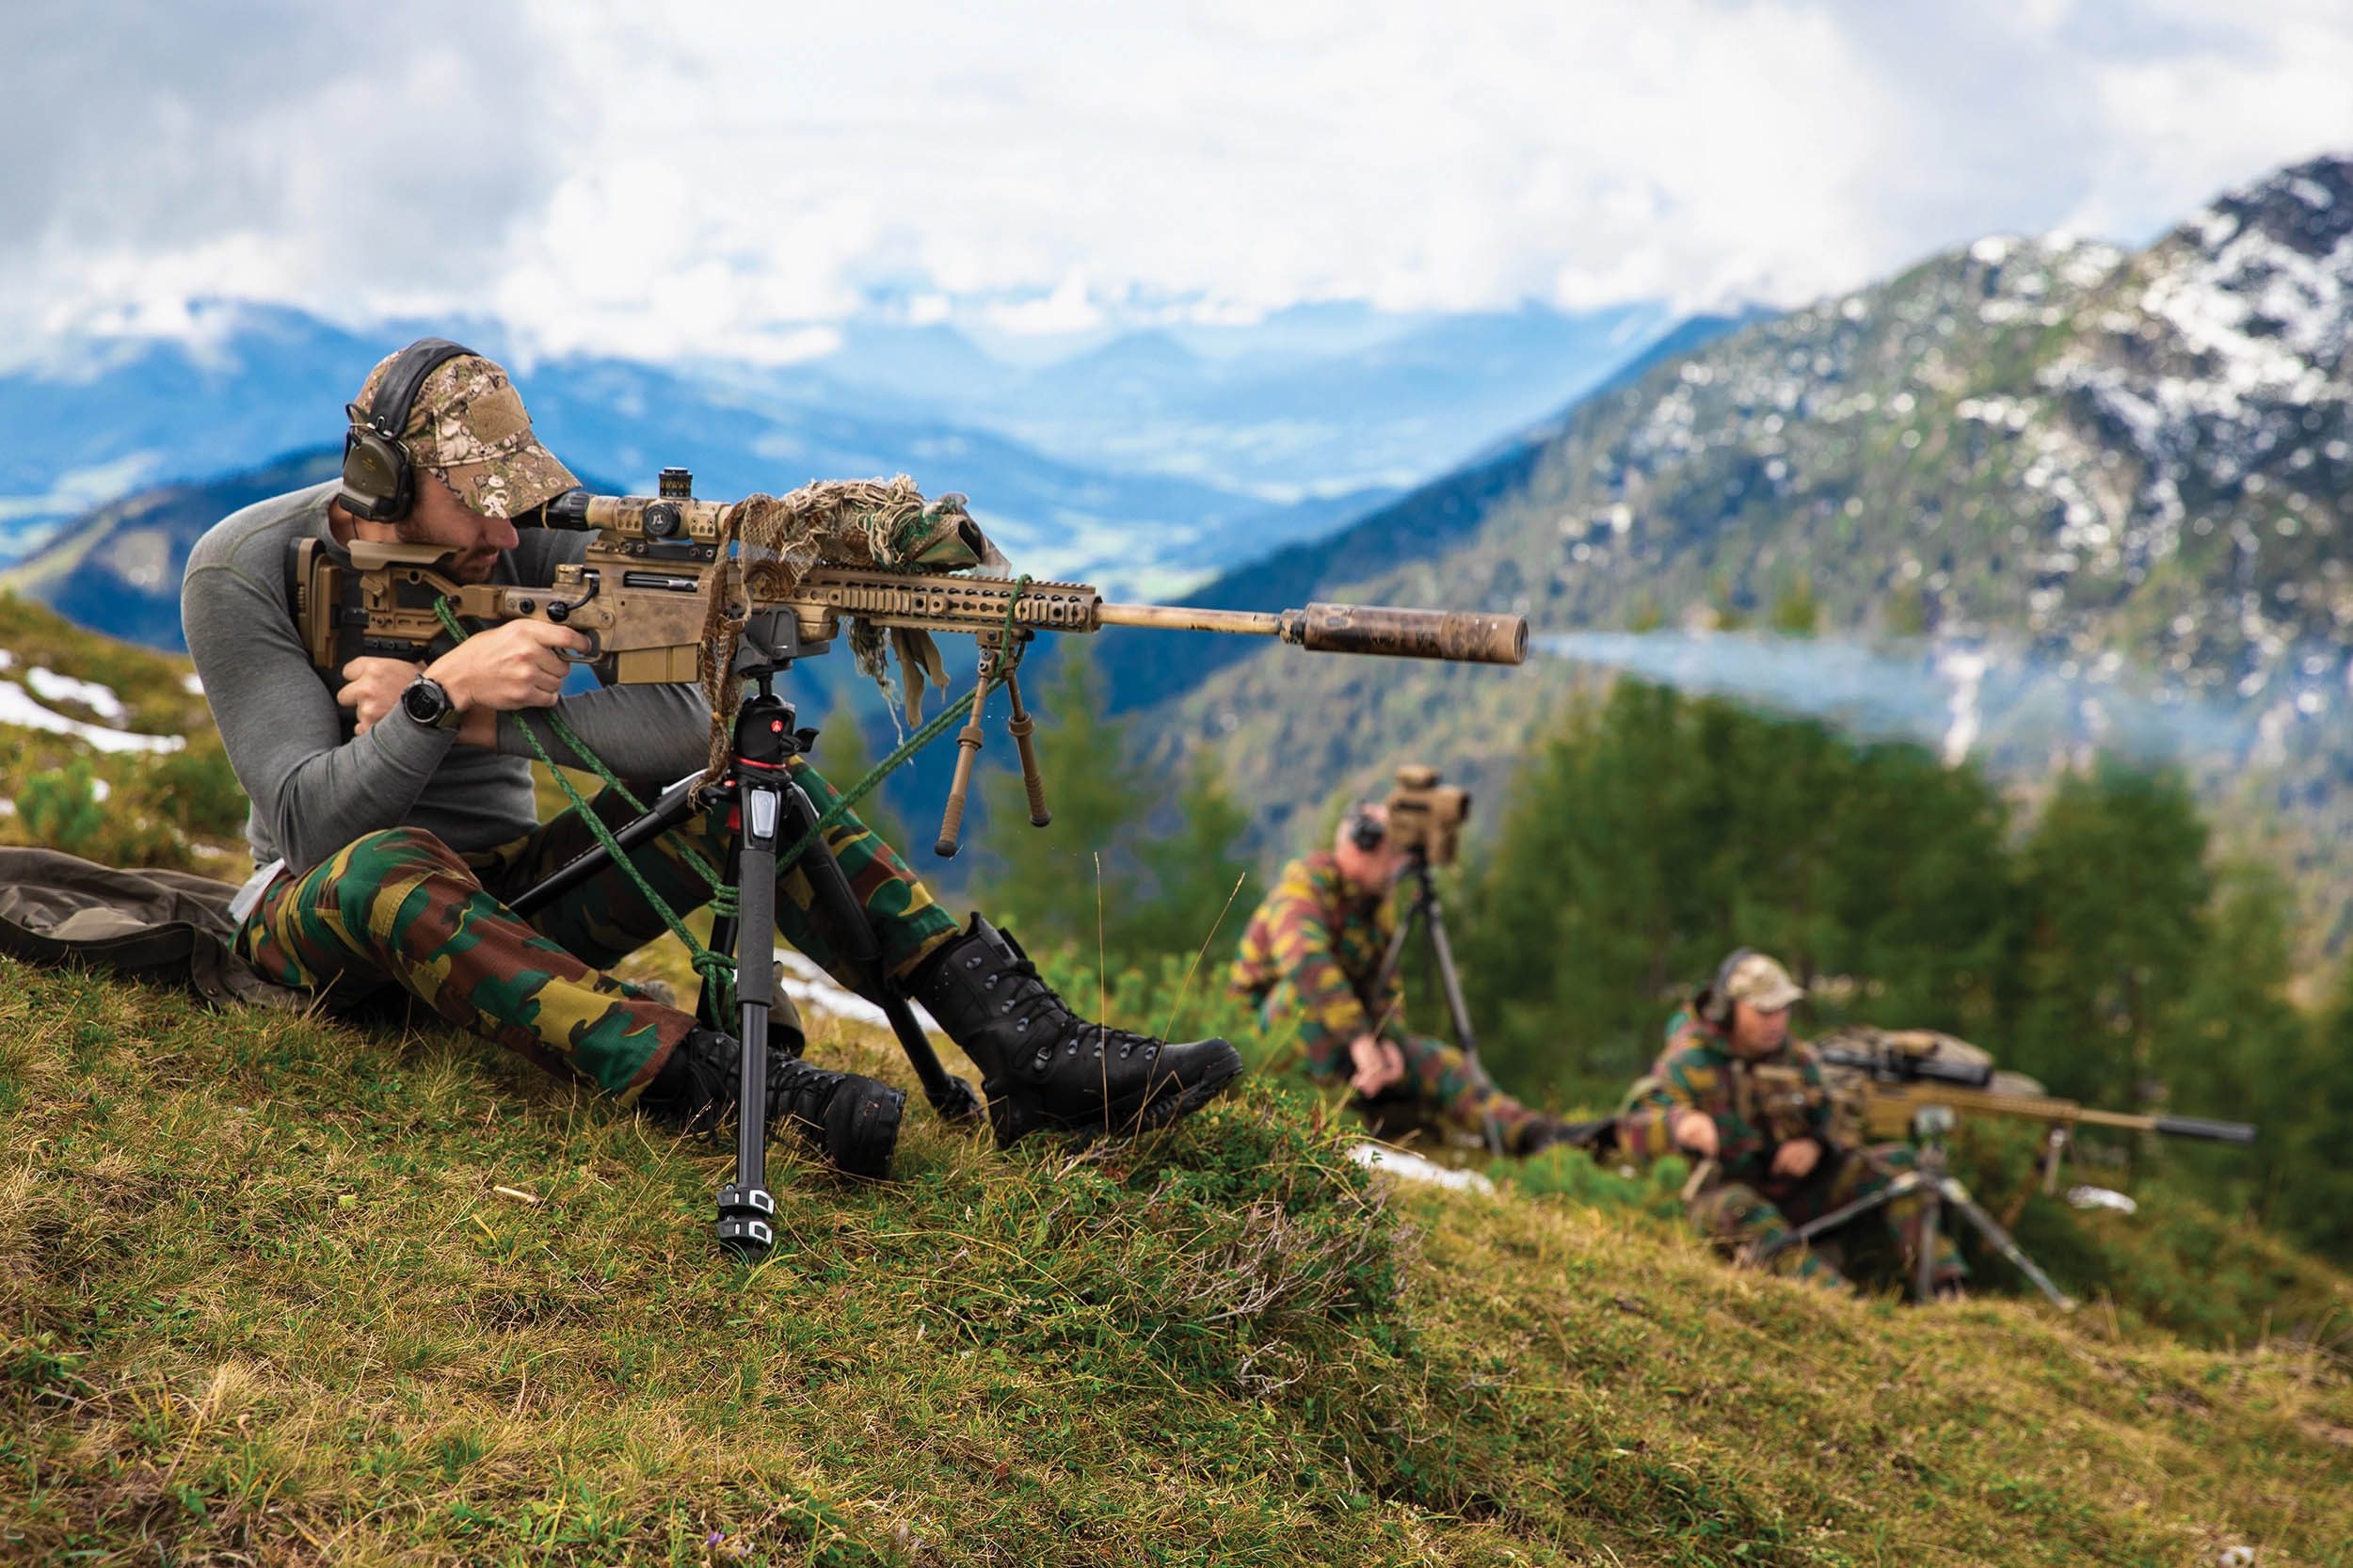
{"x":467,"y":429}
{"x":1763,"y":983}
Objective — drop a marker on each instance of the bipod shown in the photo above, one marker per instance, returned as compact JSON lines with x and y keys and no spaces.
{"x":1430,"y":915}
{"x":1939,"y":1189}
{"x":767,"y":808}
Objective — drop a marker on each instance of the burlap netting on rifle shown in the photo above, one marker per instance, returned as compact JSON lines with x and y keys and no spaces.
{"x":883,"y":523}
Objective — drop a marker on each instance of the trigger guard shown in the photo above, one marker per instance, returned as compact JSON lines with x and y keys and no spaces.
{"x":596,"y":649}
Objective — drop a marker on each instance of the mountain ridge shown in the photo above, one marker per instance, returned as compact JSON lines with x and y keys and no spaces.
{"x":1951,"y":455}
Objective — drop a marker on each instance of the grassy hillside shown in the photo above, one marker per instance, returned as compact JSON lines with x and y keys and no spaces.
{"x":282,"y":1289}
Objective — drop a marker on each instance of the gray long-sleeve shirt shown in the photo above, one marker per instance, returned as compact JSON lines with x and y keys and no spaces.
{"x":314,"y":786}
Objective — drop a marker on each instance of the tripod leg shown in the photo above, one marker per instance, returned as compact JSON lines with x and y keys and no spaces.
{"x":723,"y":937}
{"x":1907,"y":1183}
{"x":2001,"y":1244}
{"x":950,"y":1096}
{"x":745,"y":1204}
{"x":1924,"y":1262}
{"x":676,"y":804}
{"x":1451,"y":979}
{"x":1395,"y":955}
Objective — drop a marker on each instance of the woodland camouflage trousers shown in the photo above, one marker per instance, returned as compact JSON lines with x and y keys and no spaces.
{"x":1442,"y":1082}
{"x":1743,"y":1222}
{"x":400,"y":906}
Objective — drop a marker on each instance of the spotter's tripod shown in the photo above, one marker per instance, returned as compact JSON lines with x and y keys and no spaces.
{"x":1428,"y":913}
{"x":1937,"y":1186}
{"x":767,"y":808}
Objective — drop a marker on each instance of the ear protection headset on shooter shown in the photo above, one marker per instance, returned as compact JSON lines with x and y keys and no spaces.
{"x":1715,"y":1006}
{"x":1366,"y":830}
{"x":379,"y":481}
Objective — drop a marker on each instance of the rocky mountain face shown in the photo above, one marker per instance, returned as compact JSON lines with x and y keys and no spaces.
{"x":2091,"y":497}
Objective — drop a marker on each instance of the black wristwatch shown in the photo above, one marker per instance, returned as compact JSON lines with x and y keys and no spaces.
{"x":425,"y":701}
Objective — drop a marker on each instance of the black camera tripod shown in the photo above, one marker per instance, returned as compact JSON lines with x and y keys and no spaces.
{"x":766,"y":809}
{"x":1938,"y":1188}
{"x":1428,"y":913}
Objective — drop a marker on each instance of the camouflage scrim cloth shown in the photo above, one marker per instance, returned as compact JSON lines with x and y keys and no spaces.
{"x":1309,"y":959}
{"x":401,"y":906}
{"x":1758,"y":1105}
{"x":468,"y":429}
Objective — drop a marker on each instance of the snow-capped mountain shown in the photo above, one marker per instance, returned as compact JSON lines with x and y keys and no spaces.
{"x":2108,"y":493}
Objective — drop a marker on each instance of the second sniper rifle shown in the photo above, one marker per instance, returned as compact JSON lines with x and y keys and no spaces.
{"x":666,"y":573}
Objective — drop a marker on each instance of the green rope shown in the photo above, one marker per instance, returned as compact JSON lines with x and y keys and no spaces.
{"x":1011,"y":654}
{"x":716,"y":968}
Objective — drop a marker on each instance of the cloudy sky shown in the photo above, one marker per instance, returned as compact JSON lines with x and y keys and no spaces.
{"x":727,"y":176}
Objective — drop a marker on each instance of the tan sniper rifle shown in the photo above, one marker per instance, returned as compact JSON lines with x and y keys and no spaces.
{"x":667,"y":588}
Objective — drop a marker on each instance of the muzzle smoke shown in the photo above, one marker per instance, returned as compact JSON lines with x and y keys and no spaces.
{"x":1963,"y":700}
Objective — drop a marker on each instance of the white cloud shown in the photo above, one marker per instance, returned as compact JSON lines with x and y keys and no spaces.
{"x":714,"y":178}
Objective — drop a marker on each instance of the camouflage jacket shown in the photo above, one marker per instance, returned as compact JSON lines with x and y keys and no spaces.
{"x":1310,"y":957}
{"x":1757,"y":1106}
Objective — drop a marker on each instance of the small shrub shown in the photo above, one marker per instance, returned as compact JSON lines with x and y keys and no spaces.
{"x":60,"y":808}
{"x":198,"y":790}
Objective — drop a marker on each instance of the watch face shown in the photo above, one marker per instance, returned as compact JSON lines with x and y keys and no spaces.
{"x":424,"y":700}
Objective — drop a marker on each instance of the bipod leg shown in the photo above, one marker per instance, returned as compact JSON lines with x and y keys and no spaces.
{"x":2000,"y":1239}
{"x":1021,"y":725}
{"x":950,"y":1096}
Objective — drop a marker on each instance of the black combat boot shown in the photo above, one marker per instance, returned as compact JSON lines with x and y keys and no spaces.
{"x":1042,"y":1066}
{"x":851,"y":1119}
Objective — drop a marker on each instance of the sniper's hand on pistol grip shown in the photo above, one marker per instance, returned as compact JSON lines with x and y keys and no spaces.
{"x":513,"y":666}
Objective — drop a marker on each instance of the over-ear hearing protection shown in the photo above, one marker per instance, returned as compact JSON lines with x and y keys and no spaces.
{"x":379,"y":481}
{"x":1366,"y":830}
{"x":1716,"y":1007}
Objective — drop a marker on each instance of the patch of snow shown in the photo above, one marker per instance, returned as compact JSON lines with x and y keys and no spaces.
{"x":812,"y":987}
{"x":52,"y":687}
{"x":2273,"y":319}
{"x":18,"y":707}
{"x":190,"y":685}
{"x":1412,"y":1167}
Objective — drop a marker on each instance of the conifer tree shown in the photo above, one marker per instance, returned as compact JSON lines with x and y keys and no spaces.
{"x":845,"y":756}
{"x":1201,"y":886}
{"x":2114,"y":887}
{"x":2241,"y":1049}
{"x":2312,"y":1199}
{"x":1044,"y":883}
